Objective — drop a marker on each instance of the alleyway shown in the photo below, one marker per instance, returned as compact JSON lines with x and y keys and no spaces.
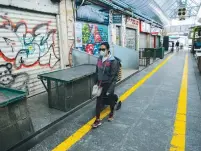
{"x":161,"y":111}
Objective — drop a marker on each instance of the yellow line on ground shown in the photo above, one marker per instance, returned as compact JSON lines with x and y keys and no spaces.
{"x":179,"y":133}
{"x":70,"y":141}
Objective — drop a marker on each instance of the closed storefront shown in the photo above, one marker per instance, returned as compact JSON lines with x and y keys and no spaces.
{"x":28,"y":46}
{"x":156,"y":32}
{"x":131,"y":33}
{"x":131,"y":38}
{"x":153,"y":41}
{"x":143,"y":40}
{"x":145,"y":29}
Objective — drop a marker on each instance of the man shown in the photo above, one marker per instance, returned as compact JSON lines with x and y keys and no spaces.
{"x":106,"y":78}
{"x":172,"y":47}
{"x":177,"y":45}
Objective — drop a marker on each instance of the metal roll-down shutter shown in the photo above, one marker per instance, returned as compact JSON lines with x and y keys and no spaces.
{"x":143,"y":40}
{"x":131,"y":38}
{"x":28,"y":46}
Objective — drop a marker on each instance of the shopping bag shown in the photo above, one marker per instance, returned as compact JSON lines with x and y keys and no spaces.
{"x":97,"y":90}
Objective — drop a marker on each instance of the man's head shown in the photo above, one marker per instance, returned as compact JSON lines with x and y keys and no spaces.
{"x":104,"y":49}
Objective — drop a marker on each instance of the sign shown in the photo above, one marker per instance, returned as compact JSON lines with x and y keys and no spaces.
{"x":92,"y":13}
{"x":117,"y":18}
{"x":197,"y":35}
{"x":156,"y":31}
{"x":145,"y":27}
{"x":132,"y":23}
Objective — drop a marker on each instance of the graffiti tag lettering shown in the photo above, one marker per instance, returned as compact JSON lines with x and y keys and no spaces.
{"x":7,"y":79}
{"x":26,"y":48}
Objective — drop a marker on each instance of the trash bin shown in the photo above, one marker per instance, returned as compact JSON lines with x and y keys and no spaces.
{"x":15,"y":121}
{"x":160,"y":53}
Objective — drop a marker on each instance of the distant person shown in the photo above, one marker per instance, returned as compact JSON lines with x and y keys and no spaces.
{"x":172,"y":47}
{"x":106,"y":77}
{"x":177,"y":45}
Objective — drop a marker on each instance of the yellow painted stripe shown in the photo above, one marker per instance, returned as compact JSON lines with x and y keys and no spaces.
{"x":179,"y":133}
{"x":70,"y":141}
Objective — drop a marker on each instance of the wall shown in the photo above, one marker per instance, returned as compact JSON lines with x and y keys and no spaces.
{"x":129,"y":58}
{"x":66,"y":27}
{"x":36,"y":5}
{"x":123,"y":31}
{"x":80,"y":58}
{"x":113,"y":31}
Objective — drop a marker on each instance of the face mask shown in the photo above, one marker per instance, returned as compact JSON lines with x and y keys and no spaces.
{"x":102,"y":53}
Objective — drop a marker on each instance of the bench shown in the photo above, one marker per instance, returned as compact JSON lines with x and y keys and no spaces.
{"x":69,"y":88}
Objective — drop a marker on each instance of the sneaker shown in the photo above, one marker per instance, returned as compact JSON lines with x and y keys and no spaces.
{"x":111,"y":117}
{"x":118,"y":106}
{"x":96,"y":124}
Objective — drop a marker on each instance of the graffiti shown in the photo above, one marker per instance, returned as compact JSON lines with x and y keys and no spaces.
{"x":27,"y":48}
{"x":92,"y":13}
{"x":92,"y":36}
{"x":7,"y":79}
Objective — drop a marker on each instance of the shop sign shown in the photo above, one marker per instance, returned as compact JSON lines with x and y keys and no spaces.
{"x":132,"y":23}
{"x":156,"y":31}
{"x":117,"y":18}
{"x":145,"y":27}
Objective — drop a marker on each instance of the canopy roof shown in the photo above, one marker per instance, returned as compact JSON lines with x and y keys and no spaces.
{"x":163,"y":11}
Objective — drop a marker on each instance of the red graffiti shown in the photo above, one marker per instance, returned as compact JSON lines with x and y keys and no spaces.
{"x":32,"y":46}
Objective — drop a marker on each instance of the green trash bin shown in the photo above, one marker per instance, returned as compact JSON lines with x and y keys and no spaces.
{"x":160,"y":53}
{"x":150,"y":52}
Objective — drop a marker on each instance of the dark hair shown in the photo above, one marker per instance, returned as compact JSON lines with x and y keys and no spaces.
{"x":106,"y":44}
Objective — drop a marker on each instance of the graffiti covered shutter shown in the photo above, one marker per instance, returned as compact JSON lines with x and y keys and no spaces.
{"x":28,"y":46}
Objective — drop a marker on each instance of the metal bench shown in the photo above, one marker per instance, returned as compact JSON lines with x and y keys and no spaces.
{"x":69,"y":88}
